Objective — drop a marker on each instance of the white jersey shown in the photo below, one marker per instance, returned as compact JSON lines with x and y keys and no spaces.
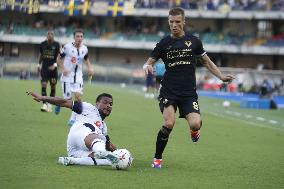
{"x":73,"y":62}
{"x":89,"y":121}
{"x":91,"y":115}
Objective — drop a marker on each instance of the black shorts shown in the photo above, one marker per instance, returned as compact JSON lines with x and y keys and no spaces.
{"x":51,"y":76}
{"x":185,"y":105}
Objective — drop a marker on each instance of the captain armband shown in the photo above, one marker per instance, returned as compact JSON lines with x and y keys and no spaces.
{"x":77,"y":107}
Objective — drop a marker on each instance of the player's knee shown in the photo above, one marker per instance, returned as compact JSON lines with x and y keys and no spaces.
{"x":196,"y":125}
{"x":98,"y":145}
{"x":169,"y":123}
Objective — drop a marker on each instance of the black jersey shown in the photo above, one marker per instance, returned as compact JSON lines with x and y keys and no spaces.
{"x":179,"y":56}
{"x":49,"y":52}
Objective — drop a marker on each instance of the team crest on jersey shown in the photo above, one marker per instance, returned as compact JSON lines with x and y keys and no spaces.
{"x":98,"y":123}
{"x":73,"y":60}
{"x":187,"y":43}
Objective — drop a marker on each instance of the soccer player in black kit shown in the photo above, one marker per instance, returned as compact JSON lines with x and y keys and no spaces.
{"x":179,"y":52}
{"x":47,"y":67}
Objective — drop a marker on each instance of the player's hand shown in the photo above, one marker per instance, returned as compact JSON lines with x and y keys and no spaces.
{"x":227,"y":78}
{"x":35,"y":96}
{"x":110,"y":146}
{"x":148,"y":68}
{"x":52,"y":67}
{"x":90,"y":72}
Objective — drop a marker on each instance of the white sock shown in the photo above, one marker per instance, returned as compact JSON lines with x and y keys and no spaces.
{"x":102,"y":162}
{"x":90,"y":161}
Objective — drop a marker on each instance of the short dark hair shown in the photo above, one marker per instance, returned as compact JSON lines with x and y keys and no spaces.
{"x":78,"y":31}
{"x":176,"y":11}
{"x":99,"y":97}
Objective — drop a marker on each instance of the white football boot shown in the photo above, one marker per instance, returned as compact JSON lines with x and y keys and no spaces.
{"x":44,"y":107}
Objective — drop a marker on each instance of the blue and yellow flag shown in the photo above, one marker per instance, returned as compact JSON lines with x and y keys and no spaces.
{"x":27,"y":6}
{"x":76,"y":7}
{"x":69,"y":7}
{"x":115,"y":8}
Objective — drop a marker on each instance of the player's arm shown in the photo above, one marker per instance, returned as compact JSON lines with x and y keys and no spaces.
{"x":89,"y":66}
{"x":155,"y":55}
{"x":148,"y":66}
{"x":60,"y":59}
{"x":52,"y":100}
{"x":207,"y":62}
{"x":109,"y":146}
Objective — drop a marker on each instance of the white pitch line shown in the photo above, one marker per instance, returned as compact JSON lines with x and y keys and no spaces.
{"x":229,"y":112}
{"x":273,"y":121}
{"x":260,"y":118}
{"x":248,"y":122}
{"x":248,"y":116}
{"x":237,"y":114}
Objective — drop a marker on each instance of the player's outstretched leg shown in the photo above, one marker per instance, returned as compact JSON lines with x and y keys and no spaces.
{"x":64,"y":160}
{"x":83,"y":161}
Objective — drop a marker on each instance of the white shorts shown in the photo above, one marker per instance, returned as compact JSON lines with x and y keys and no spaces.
{"x":75,"y":142}
{"x":69,"y":88}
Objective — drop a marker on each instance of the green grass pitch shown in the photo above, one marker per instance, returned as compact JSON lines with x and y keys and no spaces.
{"x":237,"y":149}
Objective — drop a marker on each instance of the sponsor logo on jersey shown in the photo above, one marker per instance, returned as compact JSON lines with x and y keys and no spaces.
{"x":187,"y":43}
{"x":98,"y":123}
{"x":73,"y":60}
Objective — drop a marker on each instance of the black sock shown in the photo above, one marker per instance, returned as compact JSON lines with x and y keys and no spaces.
{"x":52,"y":92}
{"x":162,"y":140}
{"x":43,"y":92}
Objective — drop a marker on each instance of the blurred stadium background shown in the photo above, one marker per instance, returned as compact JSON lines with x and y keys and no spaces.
{"x":243,"y":37}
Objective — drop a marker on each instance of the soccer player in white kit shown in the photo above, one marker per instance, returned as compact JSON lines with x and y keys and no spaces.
{"x":87,"y":142}
{"x":71,"y":59}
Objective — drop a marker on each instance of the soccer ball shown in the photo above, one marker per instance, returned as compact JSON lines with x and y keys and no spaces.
{"x":125,"y":159}
{"x":226,"y":104}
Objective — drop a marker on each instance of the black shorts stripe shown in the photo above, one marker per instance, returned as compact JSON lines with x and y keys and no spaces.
{"x":64,"y":87}
{"x":76,"y":68}
{"x":95,"y":162}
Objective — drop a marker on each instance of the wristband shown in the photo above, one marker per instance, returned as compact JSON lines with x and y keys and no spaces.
{"x":55,"y":64}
